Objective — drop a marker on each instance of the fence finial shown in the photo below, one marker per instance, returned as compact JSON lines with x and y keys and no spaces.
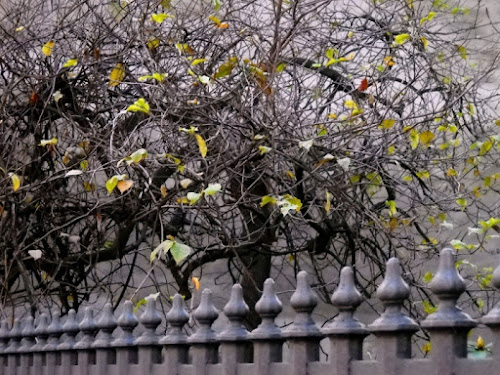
{"x":346,"y":298}
{"x":392,"y":292}
{"x":28,"y":339}
{"x":205,"y":314}
{"x":88,"y":327}
{"x":127,"y":322}
{"x":70,"y":330}
{"x":106,"y":325}
{"x":41,"y":333}
{"x":236,"y":311}
{"x":492,"y":319}
{"x":176,"y":318}
{"x":54,"y":330}
{"x":150,"y":319}
{"x":15,"y":336}
{"x":268,"y":307}
{"x":448,"y":285}
{"x":303,"y":301}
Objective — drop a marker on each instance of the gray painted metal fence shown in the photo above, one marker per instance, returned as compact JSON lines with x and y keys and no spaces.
{"x":50,"y":349}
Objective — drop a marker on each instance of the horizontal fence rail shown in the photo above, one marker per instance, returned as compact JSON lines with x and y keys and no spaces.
{"x":89,"y":346}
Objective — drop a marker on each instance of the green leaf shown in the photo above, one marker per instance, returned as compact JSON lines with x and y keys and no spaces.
{"x":179,"y":251}
{"x":135,"y":157}
{"x":414,"y":138}
{"x":387,"y":123}
{"x":139,"y":106}
{"x":267,"y":200}
{"x":193,"y":197}
{"x":462,"y":51}
{"x":212,"y":189}
{"x":401,"y":38}
{"x":160,"y":77}
{"x":197,"y":61}
{"x":264,"y":149}
{"x":462,"y":202}
{"x":392,"y":207}
{"x":111,"y":184}
{"x":165,"y":246}
{"x":428,"y":277}
{"x":226,"y":68}
{"x":70,"y":63}
{"x":280,"y":67}
{"x":216,"y":4}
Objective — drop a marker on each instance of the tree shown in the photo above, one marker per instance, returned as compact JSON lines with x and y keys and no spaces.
{"x":305,"y":134}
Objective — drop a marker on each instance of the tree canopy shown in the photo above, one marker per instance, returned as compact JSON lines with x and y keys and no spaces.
{"x":155,"y":138}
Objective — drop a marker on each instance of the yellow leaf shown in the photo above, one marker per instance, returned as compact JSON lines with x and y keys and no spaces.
{"x":351,"y":104}
{"x":215,"y":20}
{"x":153,"y":44}
{"x":201,"y":145}
{"x":70,"y":63}
{"x":47,"y":48}
{"x":401,"y":38}
{"x":196,"y":282}
{"x":124,"y":185}
{"x":160,"y":17}
{"x":480,"y":343}
{"x":267,"y":200}
{"x":426,"y":137}
{"x":163,"y":191}
{"x":462,"y":51}
{"x":387,"y":123}
{"x":290,"y":174}
{"x":140,"y":105}
{"x":389,"y":61}
{"x":334,"y":116}
{"x":328,"y":204}
{"x":391,"y":149}
{"x":48,"y":142}
{"x":426,"y":348}
{"x":16,"y":181}
{"x":451,"y":172}
{"x":414,"y":138}
{"x":117,"y":74}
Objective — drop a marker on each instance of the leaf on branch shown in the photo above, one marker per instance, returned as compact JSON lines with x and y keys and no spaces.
{"x":401,"y":39}
{"x":363,"y":86}
{"x":212,"y":189}
{"x":159,"y":77}
{"x":117,"y":75}
{"x":113,"y":182}
{"x":35,"y":254}
{"x":160,"y":17}
{"x":344,"y":163}
{"x":48,"y":142}
{"x":70,"y":63}
{"x":193,"y":198}
{"x":16,"y":181}
{"x":48,"y":47}
{"x":153,"y":44}
{"x":73,"y":172}
{"x":426,"y":137}
{"x":196,"y":282}
{"x":201,"y":145}
{"x":179,"y":251}
{"x":226,"y":68}
{"x":328,"y":204}
{"x":264,"y":149}
{"x":414,"y":138}
{"x":139,"y":106}
{"x":135,"y":157}
{"x":306,"y":144}
{"x":387,"y":123}
{"x":124,"y":185}
{"x":267,"y":200}
{"x":462,"y":51}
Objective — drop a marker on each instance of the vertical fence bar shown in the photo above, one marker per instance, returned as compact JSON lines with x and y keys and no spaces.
{"x":41,"y":339}
{"x":88,"y":327}
{"x":393,"y":329}
{"x":303,"y":335}
{"x":175,"y":339}
{"x":345,"y":332}
{"x":104,"y":354}
{"x":4,"y":339}
{"x":492,"y":319}
{"x":126,"y":353}
{"x":15,"y":336}
{"x":204,"y":345}
{"x":235,"y":347}
{"x":149,"y":349}
{"x":448,"y":326}
{"x":27,"y":343}
{"x":267,"y":337}
{"x":54,"y":330}
{"x":69,"y":356}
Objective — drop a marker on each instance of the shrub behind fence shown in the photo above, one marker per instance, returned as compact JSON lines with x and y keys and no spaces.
{"x":52,"y":349}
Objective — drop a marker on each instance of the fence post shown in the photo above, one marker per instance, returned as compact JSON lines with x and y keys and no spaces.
{"x":15,"y":336}
{"x":393,"y":329}
{"x":54,"y":330}
{"x":449,"y":325}
{"x":235,"y":347}
{"x":125,"y":350}
{"x":303,"y":335}
{"x":175,"y":339}
{"x":149,"y":350}
{"x":27,"y":343}
{"x":345,"y":332}
{"x":69,"y":357}
{"x":4,"y":339}
{"x":492,"y":319}
{"x":88,"y":328}
{"x":204,"y":345}
{"x":41,"y":339}
{"x":267,"y":337}
{"x":104,"y":354}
